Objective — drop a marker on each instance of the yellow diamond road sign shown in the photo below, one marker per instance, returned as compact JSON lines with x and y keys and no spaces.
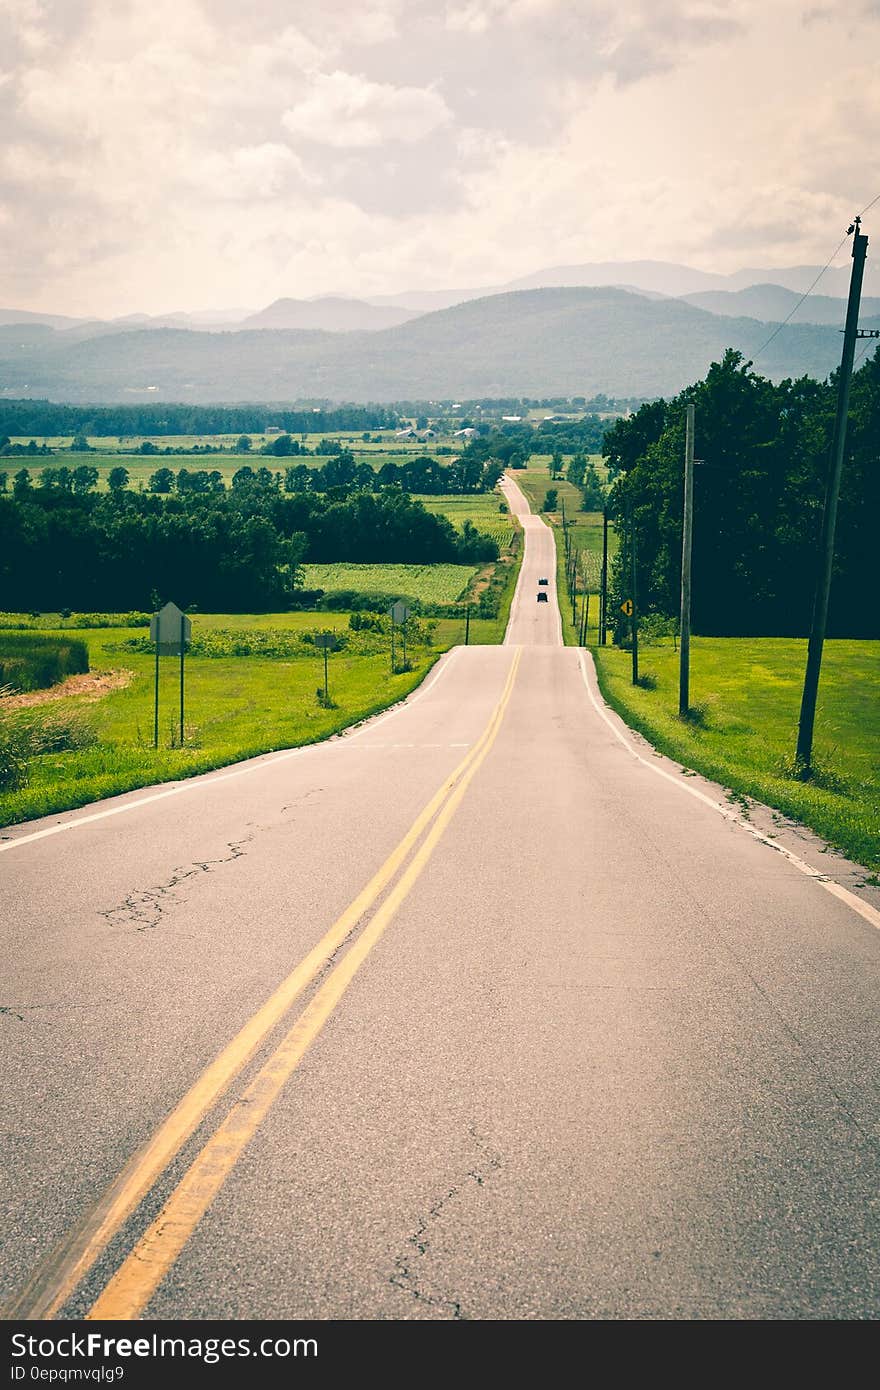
{"x":627,"y":607}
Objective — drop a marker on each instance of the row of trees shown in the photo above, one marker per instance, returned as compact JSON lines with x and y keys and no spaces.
{"x":340,"y":472}
{"x":759,"y":485}
{"x":229,"y":551}
{"x":52,"y":418}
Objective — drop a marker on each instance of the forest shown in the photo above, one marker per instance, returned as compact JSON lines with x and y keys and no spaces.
{"x":236,"y":550}
{"x":759,"y":483}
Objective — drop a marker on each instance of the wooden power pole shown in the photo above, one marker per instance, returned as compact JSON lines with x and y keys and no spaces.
{"x":829,"y":519}
{"x":684,"y":658}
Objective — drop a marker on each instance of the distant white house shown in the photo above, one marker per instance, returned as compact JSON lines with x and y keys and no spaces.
{"x":465,"y":434}
{"x":512,"y":419}
{"x":408,"y":433}
{"x":274,"y":429}
{"x":428,"y":434}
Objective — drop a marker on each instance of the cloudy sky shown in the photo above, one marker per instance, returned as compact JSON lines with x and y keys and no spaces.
{"x":191,"y":154}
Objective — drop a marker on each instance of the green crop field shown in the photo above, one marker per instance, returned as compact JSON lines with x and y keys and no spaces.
{"x":428,"y":583}
{"x":482,"y":509}
{"x":746,"y":693}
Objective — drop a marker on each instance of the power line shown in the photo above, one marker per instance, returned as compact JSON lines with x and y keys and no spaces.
{"x":865,"y":349}
{"x":779,"y":327}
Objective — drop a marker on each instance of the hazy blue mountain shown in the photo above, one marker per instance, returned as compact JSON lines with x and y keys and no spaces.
{"x":655,"y":277}
{"x":773,"y":303}
{"x":332,"y":313}
{"x":533,"y":342}
{"x":25,"y":316}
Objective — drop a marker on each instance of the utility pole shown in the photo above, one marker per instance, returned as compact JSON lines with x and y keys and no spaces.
{"x":635,"y":604}
{"x":829,"y":519}
{"x":467,"y":624}
{"x":684,"y":659}
{"x":603,"y":597}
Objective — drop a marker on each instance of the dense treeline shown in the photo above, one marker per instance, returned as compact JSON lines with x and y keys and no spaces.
{"x":49,"y":418}
{"x":470,"y":473}
{"x":759,"y":485}
{"x":228,"y":551}
{"x":571,"y":436}
{"x":40,"y":418}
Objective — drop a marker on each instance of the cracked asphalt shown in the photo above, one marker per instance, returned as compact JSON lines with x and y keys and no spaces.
{"x":613,"y":1058}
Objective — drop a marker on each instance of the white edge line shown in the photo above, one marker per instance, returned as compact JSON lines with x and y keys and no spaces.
{"x":865,"y":910}
{"x":262,"y":760}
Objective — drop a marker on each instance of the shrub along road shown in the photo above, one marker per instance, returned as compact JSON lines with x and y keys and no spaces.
{"x":587,"y":1047}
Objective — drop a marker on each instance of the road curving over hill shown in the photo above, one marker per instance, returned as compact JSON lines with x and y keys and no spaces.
{"x":478,"y":1011}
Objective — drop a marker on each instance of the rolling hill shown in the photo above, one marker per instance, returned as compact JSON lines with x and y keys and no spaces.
{"x":773,"y":303}
{"x":531,"y":342}
{"x":331,"y":313}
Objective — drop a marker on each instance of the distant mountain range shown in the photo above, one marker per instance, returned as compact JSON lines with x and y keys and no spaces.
{"x":552,"y":341}
{"x":774,"y":303}
{"x":646,"y":277}
{"x":331,"y":314}
{"x":768,"y":295}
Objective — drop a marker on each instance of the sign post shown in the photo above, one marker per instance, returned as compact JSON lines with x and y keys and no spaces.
{"x":398,"y":613}
{"x":327,"y":641}
{"x":171,"y":630}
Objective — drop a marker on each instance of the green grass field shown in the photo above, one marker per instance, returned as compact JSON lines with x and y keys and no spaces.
{"x":428,"y":583}
{"x":235,"y":708}
{"x":746,"y":692}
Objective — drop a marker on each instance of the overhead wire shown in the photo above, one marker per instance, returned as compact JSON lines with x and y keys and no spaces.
{"x":779,"y":327}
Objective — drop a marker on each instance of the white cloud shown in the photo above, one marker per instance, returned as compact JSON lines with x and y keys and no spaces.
{"x":251,"y":171}
{"x":347,"y":111}
{"x":185,"y":154}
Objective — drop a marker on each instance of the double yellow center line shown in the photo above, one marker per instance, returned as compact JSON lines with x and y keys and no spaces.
{"x":132,"y":1286}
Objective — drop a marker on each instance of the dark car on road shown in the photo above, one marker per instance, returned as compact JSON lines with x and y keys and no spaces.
{"x":542,"y":597}
{"x":543,"y":581}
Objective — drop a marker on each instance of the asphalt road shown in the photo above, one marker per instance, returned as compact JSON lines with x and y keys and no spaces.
{"x":585,"y":1048}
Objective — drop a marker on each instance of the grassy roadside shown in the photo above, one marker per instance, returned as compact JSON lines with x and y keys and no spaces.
{"x":236,"y":707}
{"x":746,"y":693}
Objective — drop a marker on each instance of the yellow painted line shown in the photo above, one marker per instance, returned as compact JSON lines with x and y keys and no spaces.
{"x":55,"y":1279}
{"x":133,"y":1284}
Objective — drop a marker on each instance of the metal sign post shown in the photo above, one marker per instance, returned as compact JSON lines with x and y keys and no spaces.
{"x":327,"y":642}
{"x":171,"y":630}
{"x":398,"y":613}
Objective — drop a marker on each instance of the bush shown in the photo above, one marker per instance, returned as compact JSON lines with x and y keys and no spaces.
{"x":305,"y":598}
{"x":29,"y":662}
{"x":26,"y":734}
{"x":22,"y":622}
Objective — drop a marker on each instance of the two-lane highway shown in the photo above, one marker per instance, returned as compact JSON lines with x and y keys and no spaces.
{"x":479,"y":1011}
